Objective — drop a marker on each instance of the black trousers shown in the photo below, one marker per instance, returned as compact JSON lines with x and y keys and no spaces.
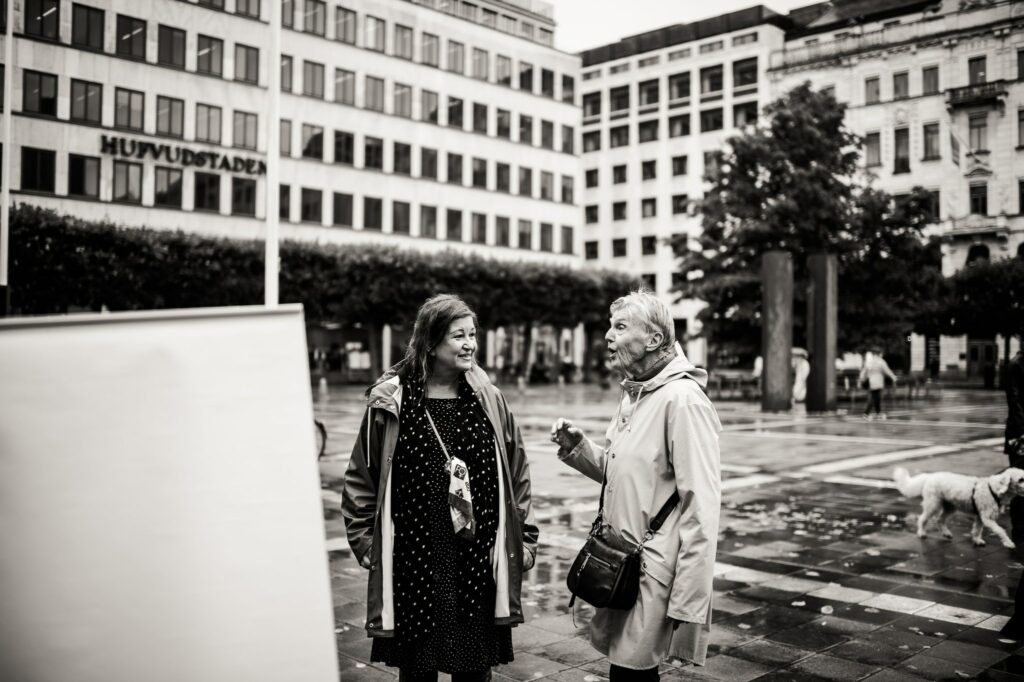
{"x":874,"y":401}
{"x":1016,"y":506}
{"x":481,"y":676}
{"x":619,"y":674}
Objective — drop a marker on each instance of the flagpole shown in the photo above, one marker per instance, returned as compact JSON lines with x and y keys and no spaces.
{"x":5,"y":165}
{"x":271,"y":265}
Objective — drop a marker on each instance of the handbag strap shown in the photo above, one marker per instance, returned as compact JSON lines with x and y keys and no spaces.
{"x":438,"y":435}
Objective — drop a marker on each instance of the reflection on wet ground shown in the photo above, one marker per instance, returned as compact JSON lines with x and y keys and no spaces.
{"x":819,"y":574}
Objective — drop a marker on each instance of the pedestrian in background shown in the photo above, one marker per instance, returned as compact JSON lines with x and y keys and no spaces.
{"x":446,"y":555}
{"x":873,"y":374}
{"x":801,"y":370}
{"x":663,"y":439}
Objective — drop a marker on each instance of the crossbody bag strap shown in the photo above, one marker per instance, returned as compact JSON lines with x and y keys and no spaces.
{"x":438,"y":435}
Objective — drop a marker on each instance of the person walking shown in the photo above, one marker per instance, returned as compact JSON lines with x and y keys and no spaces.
{"x":437,"y":506}
{"x":874,"y":373}
{"x":662,"y":440}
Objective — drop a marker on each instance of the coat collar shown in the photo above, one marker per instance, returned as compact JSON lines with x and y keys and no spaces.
{"x":387,"y":395}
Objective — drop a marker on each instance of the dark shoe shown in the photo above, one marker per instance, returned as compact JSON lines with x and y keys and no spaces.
{"x":1014,"y":628}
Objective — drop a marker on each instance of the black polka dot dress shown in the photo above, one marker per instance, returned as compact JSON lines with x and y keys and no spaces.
{"x":443,"y":585}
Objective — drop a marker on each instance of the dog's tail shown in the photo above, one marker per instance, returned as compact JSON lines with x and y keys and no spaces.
{"x":910,"y":486}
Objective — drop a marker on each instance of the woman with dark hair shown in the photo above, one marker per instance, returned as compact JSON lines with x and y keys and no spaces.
{"x":437,"y":506}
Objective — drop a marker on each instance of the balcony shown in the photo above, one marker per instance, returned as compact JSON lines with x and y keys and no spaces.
{"x":993,"y":92}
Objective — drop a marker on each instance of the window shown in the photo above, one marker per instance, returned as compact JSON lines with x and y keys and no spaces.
{"x":345,"y":31}
{"x":901,"y":146}
{"x":547,"y":237}
{"x":400,"y":217}
{"x":502,"y":236}
{"x":504,"y":124}
{"x":744,"y":114}
{"x":403,"y":42}
{"x":648,"y":245}
{"x":680,"y":204}
{"x":481,"y":67}
{"x":285,"y":137}
{"x":647,"y":131}
{"x":243,"y":196}
{"x":619,"y":210}
{"x":567,"y":240}
{"x":131,"y":37}
{"x":247,"y":65}
{"x":900,"y":85}
{"x":618,"y":137}
{"x":429,"y":49}
{"x":590,"y":214}
{"x":373,"y":153}
{"x":1020,"y":133}
{"x":38,"y":169}
{"x":215,"y":4}
{"x":429,"y":107}
{"x":590,"y":178}
{"x":710,"y":120}
{"x":312,"y":142}
{"x":206,"y":196}
{"x":1020,"y":77}
{"x":649,"y":208}
{"x":618,"y":248}
{"x":526,"y":76}
{"x":712,"y":162}
{"x":428,"y":163}
{"x":478,"y":228}
{"x":244,"y":130}
{"x":311,"y":210}
{"x":286,"y":73}
{"x":590,"y":250}
{"x":249,"y":8}
{"x":649,"y":170}
{"x":344,"y":147}
{"x":649,"y":92}
{"x":547,"y":83}
{"x":525,"y":236}
{"x":619,"y":174}
{"x":455,"y":168}
{"x":287,"y":13}
{"x":744,"y":72}
{"x":128,"y":182}
{"x":128,"y":109}
{"x":453,"y":225}
{"x":374,"y":94}
{"x":313,"y":79}
{"x":84,"y":177}
{"x":525,"y":129}
{"x":648,"y":61}
{"x":402,"y":158}
{"x":591,"y":104}
{"x":42,"y":19}
{"x":976,"y":67}
{"x":209,"y":55}
{"x":503,"y":177}
{"x":428,"y":221}
{"x":403,"y":100}
{"x":568,"y":90}
{"x":342,"y":214}
{"x":40,"y":93}
{"x":503,"y":71}
{"x":568,"y":140}
{"x":344,"y":87}
{"x":931,"y":141}
{"x":679,"y":86}
{"x":978,"y":130}
{"x":455,"y":110}
{"x":679,"y":165}
{"x":714,"y":46}
{"x":456,"y":57}
{"x":525,"y":182}
{"x":86,"y":101}
{"x":873,"y":149}
{"x":373,"y":213}
{"x":679,"y":126}
{"x":170,"y":116}
{"x":567,"y":189}
{"x":744,"y":39}
{"x":547,"y":134}
{"x":284,"y":202}
{"x":376,"y":37}
{"x":711,"y":79}
{"x":979,"y":199}
{"x":314,"y":17}
{"x":871,"y":92}
{"x":480,"y":118}
{"x":86,"y":27}
{"x":592,"y":141}
{"x":618,"y":99}
{"x":547,"y":186}
{"x":930,"y":80}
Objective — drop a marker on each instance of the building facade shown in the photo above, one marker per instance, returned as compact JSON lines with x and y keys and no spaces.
{"x":434,"y":124}
{"x":657,"y":108}
{"x":936,"y":88}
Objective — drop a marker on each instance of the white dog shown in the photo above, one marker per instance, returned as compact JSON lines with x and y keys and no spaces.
{"x":944,"y":492}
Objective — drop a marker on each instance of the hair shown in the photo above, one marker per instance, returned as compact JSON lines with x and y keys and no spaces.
{"x":649,"y":311}
{"x":432,"y":322}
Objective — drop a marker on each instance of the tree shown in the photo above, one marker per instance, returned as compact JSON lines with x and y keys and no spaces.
{"x":986,"y":299}
{"x":793,"y":183}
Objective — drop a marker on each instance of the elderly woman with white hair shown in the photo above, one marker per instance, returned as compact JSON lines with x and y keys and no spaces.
{"x":662,"y":440}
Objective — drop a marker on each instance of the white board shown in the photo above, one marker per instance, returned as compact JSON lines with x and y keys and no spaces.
{"x":160,"y":513}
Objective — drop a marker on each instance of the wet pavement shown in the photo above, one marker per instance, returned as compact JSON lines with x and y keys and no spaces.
{"x":819,"y":574}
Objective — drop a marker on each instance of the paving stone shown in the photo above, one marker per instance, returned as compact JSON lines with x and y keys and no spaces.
{"x":809,"y":636}
{"x":1013,"y":665}
{"x":939,"y":669}
{"x":728,"y":669}
{"x":831,"y":668}
{"x":974,"y":654}
{"x":526,"y":637}
{"x":892,"y":676}
{"x":769,"y":653}
{"x":528,"y":666}
{"x":953,"y":614}
{"x":572,"y":652}
{"x":733,"y":605}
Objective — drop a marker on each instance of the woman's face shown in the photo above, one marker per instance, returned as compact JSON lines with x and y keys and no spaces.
{"x":456,"y":350}
{"x":627,"y":341}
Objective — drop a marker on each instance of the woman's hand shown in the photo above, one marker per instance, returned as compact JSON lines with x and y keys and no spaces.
{"x":565,"y":434}
{"x":365,"y":562}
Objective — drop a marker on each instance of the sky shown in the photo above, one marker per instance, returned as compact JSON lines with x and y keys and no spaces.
{"x":583,"y":24}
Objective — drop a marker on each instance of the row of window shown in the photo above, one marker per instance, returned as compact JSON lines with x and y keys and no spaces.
{"x":648,"y":170}
{"x":648,"y":247}
{"x":680,"y":204}
{"x":679,"y":125}
{"x":679,"y":88}
{"x":977,"y":74}
{"x":675,"y":55}
{"x":38,"y":174}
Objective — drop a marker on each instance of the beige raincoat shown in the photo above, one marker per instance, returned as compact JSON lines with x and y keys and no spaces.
{"x":663,"y":438}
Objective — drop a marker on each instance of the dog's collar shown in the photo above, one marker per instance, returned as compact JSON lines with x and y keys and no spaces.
{"x":996,"y":497}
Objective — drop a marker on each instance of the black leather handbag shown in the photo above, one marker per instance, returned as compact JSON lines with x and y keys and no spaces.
{"x":606,"y":572}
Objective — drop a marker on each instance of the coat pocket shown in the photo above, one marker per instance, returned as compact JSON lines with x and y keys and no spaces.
{"x":657,"y":570}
